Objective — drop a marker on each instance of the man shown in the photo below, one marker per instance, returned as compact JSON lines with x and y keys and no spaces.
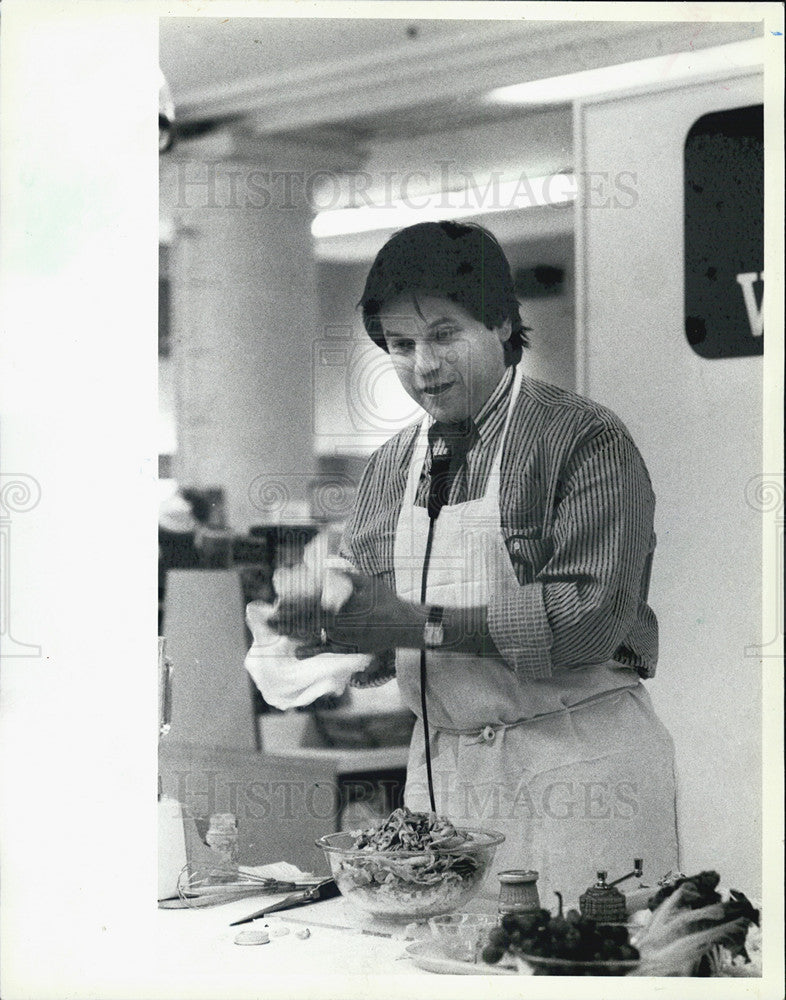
{"x":502,"y":548}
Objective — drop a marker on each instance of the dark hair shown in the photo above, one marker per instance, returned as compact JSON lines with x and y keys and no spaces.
{"x":459,"y":261}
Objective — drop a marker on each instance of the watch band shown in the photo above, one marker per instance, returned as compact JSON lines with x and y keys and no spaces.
{"x":433,"y":631}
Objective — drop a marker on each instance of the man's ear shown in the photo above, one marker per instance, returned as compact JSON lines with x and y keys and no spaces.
{"x":504,"y":331}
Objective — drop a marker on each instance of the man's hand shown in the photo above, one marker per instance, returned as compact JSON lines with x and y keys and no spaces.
{"x":299,"y":617}
{"x":372,"y":620}
{"x":375,"y":618}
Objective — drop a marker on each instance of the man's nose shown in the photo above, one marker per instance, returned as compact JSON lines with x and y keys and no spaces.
{"x":427,"y":360}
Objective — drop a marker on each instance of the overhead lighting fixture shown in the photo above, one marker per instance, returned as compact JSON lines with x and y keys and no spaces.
{"x":483,"y":197}
{"x":625,"y":76}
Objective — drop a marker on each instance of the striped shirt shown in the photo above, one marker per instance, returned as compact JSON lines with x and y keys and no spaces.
{"x":576,"y":509}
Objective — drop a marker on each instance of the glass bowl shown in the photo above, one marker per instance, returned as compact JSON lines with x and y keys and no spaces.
{"x":462,"y":935}
{"x":406,"y":886}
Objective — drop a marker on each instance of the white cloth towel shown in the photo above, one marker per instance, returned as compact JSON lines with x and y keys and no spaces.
{"x":283,"y":679}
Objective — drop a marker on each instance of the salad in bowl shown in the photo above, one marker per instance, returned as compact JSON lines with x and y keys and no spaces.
{"x":412,"y":866}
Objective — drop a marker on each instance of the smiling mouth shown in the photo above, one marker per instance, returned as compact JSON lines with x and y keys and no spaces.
{"x":438,"y":390}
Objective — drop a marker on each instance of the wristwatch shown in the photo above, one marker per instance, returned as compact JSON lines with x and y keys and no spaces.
{"x":433,"y":631}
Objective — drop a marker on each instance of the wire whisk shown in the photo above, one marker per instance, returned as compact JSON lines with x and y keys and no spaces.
{"x":209,"y":886}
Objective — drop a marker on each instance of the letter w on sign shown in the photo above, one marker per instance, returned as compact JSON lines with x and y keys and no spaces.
{"x":755,"y":312}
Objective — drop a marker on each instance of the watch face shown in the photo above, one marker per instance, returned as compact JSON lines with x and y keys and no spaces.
{"x":434,"y":634}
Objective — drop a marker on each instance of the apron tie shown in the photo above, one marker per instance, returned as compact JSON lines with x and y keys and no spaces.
{"x":488,"y":733}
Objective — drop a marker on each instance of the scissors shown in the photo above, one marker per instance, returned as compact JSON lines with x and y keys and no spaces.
{"x":326,"y":889}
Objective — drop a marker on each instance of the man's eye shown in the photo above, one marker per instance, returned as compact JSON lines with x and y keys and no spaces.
{"x":402,"y":346}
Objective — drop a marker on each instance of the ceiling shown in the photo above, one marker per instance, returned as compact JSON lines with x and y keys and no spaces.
{"x":411,"y":122}
{"x":202,"y":56}
{"x":372,"y":79}
{"x":210,"y":61}
{"x":397,"y":94}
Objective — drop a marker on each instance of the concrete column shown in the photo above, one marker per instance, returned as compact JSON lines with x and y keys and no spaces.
{"x":245,"y":318}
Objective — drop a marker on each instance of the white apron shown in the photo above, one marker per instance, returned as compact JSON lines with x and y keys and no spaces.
{"x":577,"y":770}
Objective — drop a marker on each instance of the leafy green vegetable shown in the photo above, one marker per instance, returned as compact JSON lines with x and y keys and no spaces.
{"x":699,"y":890}
{"x":690,"y":921}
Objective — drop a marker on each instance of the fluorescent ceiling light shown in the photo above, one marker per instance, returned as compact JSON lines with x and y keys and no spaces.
{"x":492,"y":195}
{"x":626,"y":76}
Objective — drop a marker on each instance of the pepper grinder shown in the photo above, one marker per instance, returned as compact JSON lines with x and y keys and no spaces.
{"x":603,"y":902}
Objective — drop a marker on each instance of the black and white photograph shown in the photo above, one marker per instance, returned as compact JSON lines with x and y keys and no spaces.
{"x":392,"y":499}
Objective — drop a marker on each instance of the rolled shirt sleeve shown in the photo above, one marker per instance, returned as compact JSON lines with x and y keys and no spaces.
{"x":519,"y":627}
{"x":585,"y":597}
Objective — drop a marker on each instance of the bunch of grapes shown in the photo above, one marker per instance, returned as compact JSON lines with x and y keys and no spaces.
{"x":572,"y":937}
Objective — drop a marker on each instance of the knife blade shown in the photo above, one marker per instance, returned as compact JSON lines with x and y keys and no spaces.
{"x":325,"y":890}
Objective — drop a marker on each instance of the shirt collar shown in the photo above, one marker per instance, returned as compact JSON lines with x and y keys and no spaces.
{"x":458,"y":438}
{"x":483,"y":422}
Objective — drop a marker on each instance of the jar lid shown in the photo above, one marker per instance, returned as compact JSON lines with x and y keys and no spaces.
{"x":514,"y":876}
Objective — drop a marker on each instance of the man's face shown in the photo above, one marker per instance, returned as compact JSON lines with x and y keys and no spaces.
{"x":446,"y":360}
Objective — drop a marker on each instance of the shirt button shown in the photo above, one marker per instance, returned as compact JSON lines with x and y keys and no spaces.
{"x":489,"y":734}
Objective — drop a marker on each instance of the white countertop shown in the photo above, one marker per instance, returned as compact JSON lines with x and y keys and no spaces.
{"x":197,"y":955}
{"x":346,"y":955}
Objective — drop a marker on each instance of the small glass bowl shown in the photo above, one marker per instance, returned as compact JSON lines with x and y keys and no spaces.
{"x":462,"y":936}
